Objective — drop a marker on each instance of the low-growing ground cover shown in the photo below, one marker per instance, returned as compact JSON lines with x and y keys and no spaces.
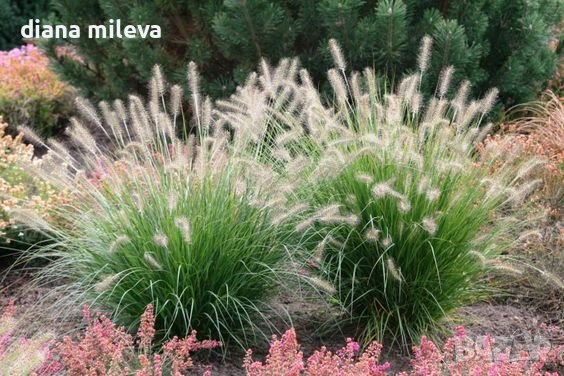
{"x":105,"y":348}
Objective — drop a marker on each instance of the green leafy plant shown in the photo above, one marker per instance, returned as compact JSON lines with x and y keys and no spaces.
{"x":14,"y":14}
{"x":501,"y":43}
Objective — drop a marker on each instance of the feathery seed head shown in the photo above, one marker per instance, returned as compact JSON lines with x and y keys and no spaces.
{"x":355,"y":87}
{"x":185,"y":228}
{"x":404,"y":205}
{"x":394,"y":271}
{"x":444,"y":80}
{"x":305,"y":224}
{"x":429,"y":225}
{"x":351,"y":220}
{"x":364,"y":178}
{"x":175,"y":99}
{"x":88,"y":111}
{"x":30,"y":134}
{"x":106,"y":283}
{"x":172,"y":201}
{"x":338,"y":84}
{"x":193,"y":78}
{"x":433,"y":194}
{"x":323,"y":285}
{"x":151,"y":261}
{"x":529,"y":166}
{"x":159,"y":79}
{"x":293,"y":211}
{"x":380,"y":190}
{"x":486,"y":104}
{"x":29,"y":218}
{"x":160,"y":239}
{"x":424,"y":53}
{"x":459,"y":100}
{"x":483,"y":260}
{"x":121,"y":239}
{"x":505,"y":267}
{"x":372,"y":235}
{"x":524,"y":191}
{"x":337,"y":54}
{"x":120,"y":110}
{"x":423,"y":184}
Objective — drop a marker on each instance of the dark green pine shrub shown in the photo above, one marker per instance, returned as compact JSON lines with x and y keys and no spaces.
{"x":14,"y":14}
{"x":502,"y":43}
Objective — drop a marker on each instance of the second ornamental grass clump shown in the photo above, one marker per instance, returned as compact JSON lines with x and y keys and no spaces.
{"x":399,"y":220}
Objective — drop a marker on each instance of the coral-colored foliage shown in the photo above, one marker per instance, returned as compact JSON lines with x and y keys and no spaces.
{"x":105,"y":349}
{"x":30,"y":93}
{"x":24,"y":73}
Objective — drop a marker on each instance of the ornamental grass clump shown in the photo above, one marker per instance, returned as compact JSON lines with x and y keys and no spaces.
{"x":399,"y":220}
{"x":181,"y":225}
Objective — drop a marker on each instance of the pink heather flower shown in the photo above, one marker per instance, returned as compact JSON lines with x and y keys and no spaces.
{"x":352,"y":346}
{"x":284,"y":358}
{"x":146,"y":331}
{"x":460,"y":332}
{"x":179,"y":351}
{"x":102,"y":344}
{"x":157,"y":365}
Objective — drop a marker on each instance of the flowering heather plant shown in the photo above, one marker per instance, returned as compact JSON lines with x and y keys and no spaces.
{"x":182,"y":225}
{"x":106,"y":349}
{"x":30,"y":94}
{"x":285,"y":358}
{"x":399,"y":222}
{"x":462,"y":356}
{"x":20,"y":190}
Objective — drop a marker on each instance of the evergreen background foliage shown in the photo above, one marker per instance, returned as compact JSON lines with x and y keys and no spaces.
{"x":502,"y":43}
{"x":14,"y":14}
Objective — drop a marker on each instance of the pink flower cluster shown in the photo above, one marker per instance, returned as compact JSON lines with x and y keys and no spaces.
{"x":462,"y":356}
{"x":105,"y":349}
{"x":285,"y":358}
{"x":459,"y":356}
